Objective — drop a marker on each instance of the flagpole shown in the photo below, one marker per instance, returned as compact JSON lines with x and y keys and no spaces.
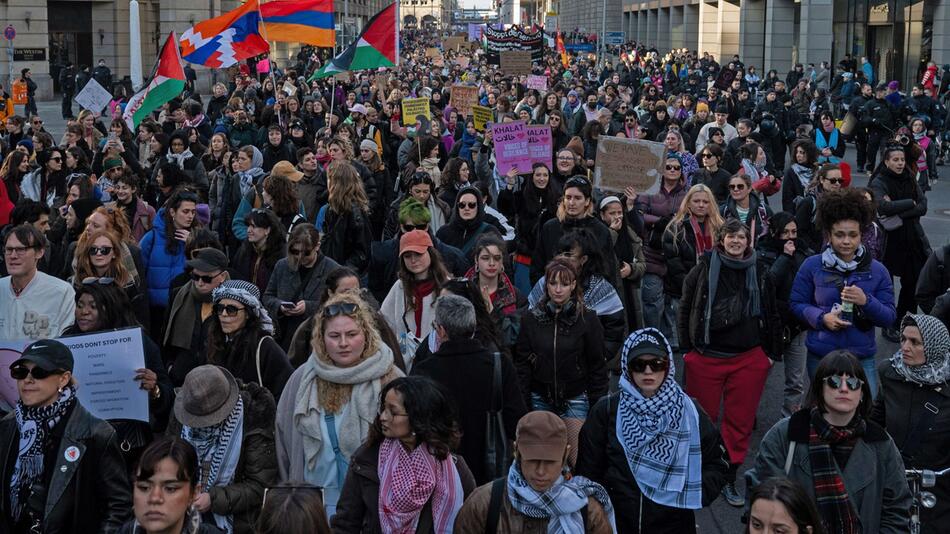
{"x":270,"y":61}
{"x":397,"y":32}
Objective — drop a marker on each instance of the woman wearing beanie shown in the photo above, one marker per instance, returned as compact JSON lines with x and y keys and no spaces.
{"x":651,"y":445}
{"x":239,"y":337}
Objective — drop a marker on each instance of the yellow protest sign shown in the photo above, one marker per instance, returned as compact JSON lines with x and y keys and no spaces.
{"x":412,"y":108}
{"x":482,"y":115}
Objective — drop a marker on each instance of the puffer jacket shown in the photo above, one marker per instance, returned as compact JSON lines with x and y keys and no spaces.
{"x":162,"y":267}
{"x":601,"y":458}
{"x":257,"y":466}
{"x":561,"y":355}
{"x":816,"y":289}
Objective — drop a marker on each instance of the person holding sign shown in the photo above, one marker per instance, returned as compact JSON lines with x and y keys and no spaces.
{"x":64,"y":467}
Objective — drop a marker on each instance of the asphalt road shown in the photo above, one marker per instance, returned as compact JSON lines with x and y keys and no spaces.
{"x":720,"y":517}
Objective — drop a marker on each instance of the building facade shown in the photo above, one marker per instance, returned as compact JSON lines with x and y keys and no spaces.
{"x":898,"y":37}
{"x":587,"y":17}
{"x":433,"y":14}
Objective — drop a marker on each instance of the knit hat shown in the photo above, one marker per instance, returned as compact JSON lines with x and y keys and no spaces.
{"x":722,"y":108}
{"x":893,"y":84}
{"x":702,"y":106}
{"x":111,"y":163}
{"x":83,"y":208}
{"x":247,"y":294}
{"x":207,"y":396}
{"x":369,"y":144}
{"x":28,"y":143}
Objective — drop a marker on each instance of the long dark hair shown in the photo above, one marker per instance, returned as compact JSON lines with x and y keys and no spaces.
{"x":112,"y":304}
{"x":276,"y":239}
{"x":437,"y":271}
{"x":584,"y":240}
{"x":294,"y":508}
{"x":234,"y":353}
{"x":485,"y":328}
{"x":801,"y":509}
{"x":839,"y":362}
{"x":432,"y":417}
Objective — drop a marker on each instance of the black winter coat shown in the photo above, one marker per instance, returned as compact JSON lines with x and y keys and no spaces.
{"x":464,"y":368}
{"x":777,"y":271}
{"x":89,"y":495}
{"x":601,"y":458}
{"x":561,"y":355}
{"x":680,"y":255}
{"x":347,"y":238}
{"x":529,"y":213}
{"x":551,"y":233}
{"x":907,"y":247}
{"x":272,"y":154}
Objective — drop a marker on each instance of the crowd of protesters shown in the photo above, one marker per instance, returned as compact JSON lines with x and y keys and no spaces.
{"x":356,"y":323}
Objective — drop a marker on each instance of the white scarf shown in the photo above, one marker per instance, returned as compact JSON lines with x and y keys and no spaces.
{"x":179,"y":159}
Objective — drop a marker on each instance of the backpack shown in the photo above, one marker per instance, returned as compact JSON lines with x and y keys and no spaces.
{"x":494,"y":506}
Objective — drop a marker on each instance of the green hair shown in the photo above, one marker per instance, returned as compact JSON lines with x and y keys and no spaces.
{"x":413,"y":210}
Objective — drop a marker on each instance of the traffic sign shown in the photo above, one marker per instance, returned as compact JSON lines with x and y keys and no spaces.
{"x":615,"y":38}
{"x":9,"y":33}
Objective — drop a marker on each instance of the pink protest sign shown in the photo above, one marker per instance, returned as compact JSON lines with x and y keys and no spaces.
{"x":538,"y":82}
{"x":539,"y":144}
{"x":511,"y":147}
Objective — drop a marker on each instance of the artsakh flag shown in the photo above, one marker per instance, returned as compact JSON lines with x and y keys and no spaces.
{"x":377,"y":46}
{"x":223,"y":41}
{"x":299,"y":21}
{"x":168,"y":81}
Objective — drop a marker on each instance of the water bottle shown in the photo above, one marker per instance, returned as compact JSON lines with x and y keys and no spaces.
{"x":847,"y":310}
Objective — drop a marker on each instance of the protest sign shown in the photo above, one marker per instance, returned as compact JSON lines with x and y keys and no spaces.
{"x":20,"y":92}
{"x":412,"y":108}
{"x":453,"y":43}
{"x":463,"y":61}
{"x":433,"y":52}
{"x":539,"y":145}
{"x":538,"y":82}
{"x":104,"y":365}
{"x":482,"y":116}
{"x":463,"y":98}
{"x":515,"y":62}
{"x":623,"y":162}
{"x":93,"y":97}
{"x":511,"y":146}
{"x":515,"y":37}
{"x":288,"y":88}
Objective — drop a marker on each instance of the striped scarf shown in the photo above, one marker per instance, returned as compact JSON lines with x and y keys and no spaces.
{"x":561,"y":504}
{"x":828,"y":450}
{"x":408,"y":479}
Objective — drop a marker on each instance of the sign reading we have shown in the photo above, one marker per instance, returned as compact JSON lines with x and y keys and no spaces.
{"x":539,"y":145}
{"x":623,"y":162}
{"x":412,"y":108}
{"x":463,"y":98}
{"x":511,"y":146}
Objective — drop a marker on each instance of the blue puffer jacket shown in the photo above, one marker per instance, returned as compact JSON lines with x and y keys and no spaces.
{"x":162,"y":266}
{"x":816,"y":289}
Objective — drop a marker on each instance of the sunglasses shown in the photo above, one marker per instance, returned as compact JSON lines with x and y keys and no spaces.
{"x":56,"y":159}
{"x":102,"y":281}
{"x":411,"y":227}
{"x":836,"y":181}
{"x":343,"y":308}
{"x":575,"y":182}
{"x":736,"y":187}
{"x":229,"y":310}
{"x":853,"y":383}
{"x":707,"y":156}
{"x":299,"y":252}
{"x":657,"y":365}
{"x":100,"y":251}
{"x":204,"y":278}
{"x":20,"y":372}
{"x":673,"y":167}
{"x":468,"y":205}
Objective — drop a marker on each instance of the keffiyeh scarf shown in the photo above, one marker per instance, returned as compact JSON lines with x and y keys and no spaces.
{"x":561,"y":504}
{"x":599,"y":296}
{"x":826,"y":445}
{"x":220,"y":447}
{"x":179,"y":159}
{"x":660,"y":434}
{"x":803,"y":173}
{"x":936,"y":369}
{"x":407,"y":480}
{"x":34,"y":425}
{"x":830,"y":260}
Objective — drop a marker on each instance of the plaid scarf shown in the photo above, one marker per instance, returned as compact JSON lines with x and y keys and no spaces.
{"x":408,"y":479}
{"x":828,"y":449}
{"x":503,"y":298}
{"x":561,"y":504}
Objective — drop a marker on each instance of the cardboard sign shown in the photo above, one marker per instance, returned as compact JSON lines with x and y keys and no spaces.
{"x":463,"y":61}
{"x":463,"y":97}
{"x":20,"y":93}
{"x":289,"y":89}
{"x":623,"y":162}
{"x":93,"y":96}
{"x":539,"y":144}
{"x":453,"y":43}
{"x":515,"y":62}
{"x":412,"y":108}
{"x":433,"y":52}
{"x":482,"y":116}
{"x":511,"y":147}
{"x":538,"y":82}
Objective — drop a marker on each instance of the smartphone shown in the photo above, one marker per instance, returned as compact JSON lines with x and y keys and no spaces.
{"x":287,"y":304}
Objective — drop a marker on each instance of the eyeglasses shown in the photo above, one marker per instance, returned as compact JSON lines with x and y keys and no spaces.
{"x":37,"y":121}
{"x":657,"y":365}
{"x":853,"y":383}
{"x":229,"y":310}
{"x":299,"y":252}
{"x":205,"y":278}
{"x":343,"y":308}
{"x":57,"y":159}
{"x":468,"y":205}
{"x":565,"y":158}
{"x":736,"y":187}
{"x":102,"y":281}
{"x":835,"y":181}
{"x":576,"y":181}
{"x":673,"y":167}
{"x":100,"y":251}
{"x":707,"y":155}
{"x":15,"y":251}
{"x":20,"y":372}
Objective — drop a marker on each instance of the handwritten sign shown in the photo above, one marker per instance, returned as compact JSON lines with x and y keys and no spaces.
{"x":511,"y":146}
{"x":463,"y":98}
{"x":623,"y":162}
{"x":463,"y":61}
{"x":538,"y":82}
{"x":104,"y":367}
{"x":433,"y":52}
{"x":453,"y":43}
{"x":482,"y":116}
{"x":412,"y":108}
{"x":93,"y":96}
{"x":515,"y":62}
{"x":539,"y":144}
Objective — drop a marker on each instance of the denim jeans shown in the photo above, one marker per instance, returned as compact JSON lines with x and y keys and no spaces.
{"x":659,"y":309}
{"x":794,"y":361}
{"x":577,"y":407}
{"x":869,"y":365}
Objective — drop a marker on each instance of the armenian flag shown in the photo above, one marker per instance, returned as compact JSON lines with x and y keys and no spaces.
{"x":225,"y":40}
{"x":377,"y":46}
{"x":168,"y":81}
{"x":299,"y":21}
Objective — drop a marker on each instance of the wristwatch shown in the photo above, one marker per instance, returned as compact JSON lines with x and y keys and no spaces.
{"x":156,"y":393}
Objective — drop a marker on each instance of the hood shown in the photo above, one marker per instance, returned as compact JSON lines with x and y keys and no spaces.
{"x":479,"y":217}
{"x":159,"y":222}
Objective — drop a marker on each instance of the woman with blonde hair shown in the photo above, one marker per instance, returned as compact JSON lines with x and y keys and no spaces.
{"x":329,"y":403}
{"x":90,"y":134}
{"x":689,"y":236}
{"x":346,"y":227}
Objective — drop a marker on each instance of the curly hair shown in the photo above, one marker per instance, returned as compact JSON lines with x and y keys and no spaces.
{"x":345,"y":145}
{"x":115,"y":222}
{"x":451,"y":174}
{"x":433,"y":417}
{"x":283,"y":195}
{"x":331,"y":395}
{"x":811,"y":151}
{"x":844,"y":205}
{"x":84,"y":267}
{"x":345,"y":188}
{"x":112,"y":303}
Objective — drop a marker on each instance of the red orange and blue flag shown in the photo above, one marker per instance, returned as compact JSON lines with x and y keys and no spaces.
{"x":299,"y":21}
{"x":225,"y":40}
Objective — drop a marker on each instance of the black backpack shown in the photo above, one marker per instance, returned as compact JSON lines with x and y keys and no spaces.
{"x":494,"y":506}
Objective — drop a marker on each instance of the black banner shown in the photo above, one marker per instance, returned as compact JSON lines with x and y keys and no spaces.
{"x":514,"y":38}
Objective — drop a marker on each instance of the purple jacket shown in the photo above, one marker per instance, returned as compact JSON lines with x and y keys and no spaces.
{"x":816,"y":289}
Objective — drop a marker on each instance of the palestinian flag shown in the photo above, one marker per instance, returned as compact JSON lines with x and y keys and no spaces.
{"x":168,"y":81}
{"x":377,"y":46}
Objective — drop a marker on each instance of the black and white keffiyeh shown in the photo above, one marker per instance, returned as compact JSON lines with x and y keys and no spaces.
{"x":34,"y":425}
{"x":660,"y":435}
{"x":599,"y":296}
{"x":936,"y":368}
{"x":247,"y":294}
{"x":561,"y":504}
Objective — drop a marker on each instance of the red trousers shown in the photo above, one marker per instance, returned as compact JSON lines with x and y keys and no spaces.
{"x":735,"y":383}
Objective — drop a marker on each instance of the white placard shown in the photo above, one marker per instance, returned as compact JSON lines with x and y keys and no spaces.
{"x":93,"y":96}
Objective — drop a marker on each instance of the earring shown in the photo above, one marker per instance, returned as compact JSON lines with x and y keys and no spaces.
{"x":60,"y":390}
